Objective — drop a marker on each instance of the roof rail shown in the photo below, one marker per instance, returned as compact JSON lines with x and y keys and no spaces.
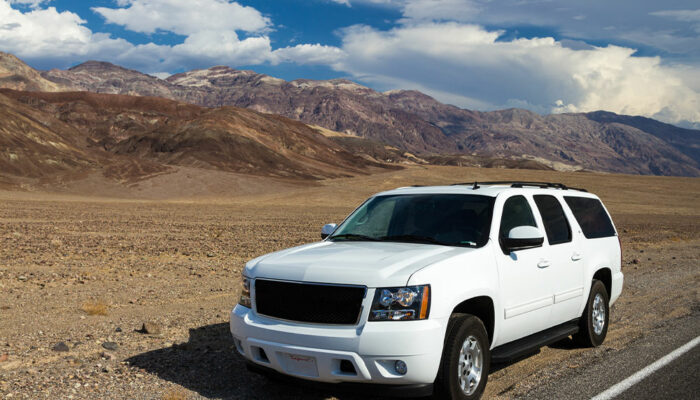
{"x":520,"y":184}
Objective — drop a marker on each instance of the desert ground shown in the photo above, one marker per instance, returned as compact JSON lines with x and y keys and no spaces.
{"x":80,"y":274}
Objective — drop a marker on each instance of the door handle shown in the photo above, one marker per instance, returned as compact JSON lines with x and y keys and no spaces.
{"x":576,"y":257}
{"x":543,"y":264}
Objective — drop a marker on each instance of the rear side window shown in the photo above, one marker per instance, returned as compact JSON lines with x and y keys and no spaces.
{"x":591,"y":216}
{"x":555,"y":223}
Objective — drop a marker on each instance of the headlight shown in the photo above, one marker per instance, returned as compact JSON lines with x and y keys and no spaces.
{"x":400,"y":303}
{"x":245,"y":292}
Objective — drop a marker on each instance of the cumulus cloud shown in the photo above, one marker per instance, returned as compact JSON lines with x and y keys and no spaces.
{"x":471,"y":66}
{"x":48,"y":37}
{"x":184,"y":17}
{"x":309,"y":54}
{"x":43,"y":33}
{"x":210,"y":38}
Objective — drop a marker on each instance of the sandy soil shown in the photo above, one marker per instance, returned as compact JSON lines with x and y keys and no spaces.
{"x":175,"y":262}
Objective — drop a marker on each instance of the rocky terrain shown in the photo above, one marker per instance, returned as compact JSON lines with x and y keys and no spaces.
{"x":127,"y":138}
{"x":81,"y":276}
{"x":415,"y":122}
{"x":15,"y":74}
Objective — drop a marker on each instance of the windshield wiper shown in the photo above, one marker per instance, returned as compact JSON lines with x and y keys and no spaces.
{"x":353,"y":236}
{"x":413,"y":239}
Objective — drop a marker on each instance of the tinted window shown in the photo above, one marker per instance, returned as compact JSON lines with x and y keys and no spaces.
{"x":516,"y":212}
{"x":448,"y":219}
{"x":591,"y":216}
{"x":555,"y":223}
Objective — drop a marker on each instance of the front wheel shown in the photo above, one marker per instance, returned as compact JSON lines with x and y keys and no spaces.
{"x":593,"y":325}
{"x":466,"y":359}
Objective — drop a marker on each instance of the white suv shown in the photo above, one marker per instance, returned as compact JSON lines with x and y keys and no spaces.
{"x":422,"y":288}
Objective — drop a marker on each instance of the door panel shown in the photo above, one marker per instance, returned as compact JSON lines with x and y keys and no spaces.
{"x":525,"y":281}
{"x":567,"y":284}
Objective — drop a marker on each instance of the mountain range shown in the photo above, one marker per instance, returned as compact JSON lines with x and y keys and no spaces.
{"x":341,"y":117}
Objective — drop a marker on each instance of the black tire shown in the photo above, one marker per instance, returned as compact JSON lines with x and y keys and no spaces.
{"x":587,"y":335}
{"x":447,"y":383}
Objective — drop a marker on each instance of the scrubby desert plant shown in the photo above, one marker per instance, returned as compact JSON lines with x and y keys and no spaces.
{"x":94,"y":308}
{"x":175,"y":394}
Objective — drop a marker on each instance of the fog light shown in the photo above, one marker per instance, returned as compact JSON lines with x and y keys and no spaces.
{"x":400,"y":367}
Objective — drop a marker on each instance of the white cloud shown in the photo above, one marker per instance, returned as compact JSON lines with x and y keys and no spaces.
{"x":161,"y":75}
{"x":309,"y":54}
{"x":210,"y":37}
{"x":184,"y":17}
{"x":62,"y":37}
{"x":454,"y":61}
{"x":680,"y":15}
{"x":343,"y":2}
{"x":217,"y":47}
{"x":690,"y":16}
{"x":678,"y":32}
{"x":43,"y":33}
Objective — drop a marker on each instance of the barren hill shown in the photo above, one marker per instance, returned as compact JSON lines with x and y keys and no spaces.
{"x":129,"y":137}
{"x":15,"y":74}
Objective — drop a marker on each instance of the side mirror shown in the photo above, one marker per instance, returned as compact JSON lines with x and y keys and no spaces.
{"x":521,"y":238}
{"x":327,"y":230}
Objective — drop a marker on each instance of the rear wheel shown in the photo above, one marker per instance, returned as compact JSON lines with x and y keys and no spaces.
{"x":466,"y":359}
{"x":593,"y":325}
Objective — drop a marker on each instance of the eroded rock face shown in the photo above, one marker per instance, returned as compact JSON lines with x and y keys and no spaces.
{"x":128,"y":137}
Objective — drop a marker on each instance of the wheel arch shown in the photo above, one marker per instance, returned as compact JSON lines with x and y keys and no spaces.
{"x":604,"y":274}
{"x":481,"y":307}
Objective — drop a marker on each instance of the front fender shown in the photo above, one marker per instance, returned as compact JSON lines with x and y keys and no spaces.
{"x":458,"y":279}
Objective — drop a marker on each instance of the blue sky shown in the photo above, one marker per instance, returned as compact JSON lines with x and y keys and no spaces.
{"x":636,"y":57}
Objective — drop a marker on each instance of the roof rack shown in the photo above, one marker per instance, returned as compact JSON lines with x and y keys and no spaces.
{"x":521,"y":184}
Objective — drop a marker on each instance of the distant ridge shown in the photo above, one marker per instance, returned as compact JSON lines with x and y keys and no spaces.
{"x":685,"y":140}
{"x":414,"y":122}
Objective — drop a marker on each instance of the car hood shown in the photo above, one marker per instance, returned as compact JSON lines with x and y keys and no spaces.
{"x":372,"y":264}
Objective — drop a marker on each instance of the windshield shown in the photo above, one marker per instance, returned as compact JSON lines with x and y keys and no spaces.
{"x":445,"y":219}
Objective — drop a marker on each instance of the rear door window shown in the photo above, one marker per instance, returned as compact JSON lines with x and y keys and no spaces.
{"x":555,"y":223}
{"x":591,"y":216}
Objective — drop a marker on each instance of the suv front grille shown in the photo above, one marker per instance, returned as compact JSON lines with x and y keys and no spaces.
{"x":309,"y":302}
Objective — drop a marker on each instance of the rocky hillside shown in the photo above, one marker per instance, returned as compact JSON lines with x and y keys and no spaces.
{"x":15,"y":74}
{"x":415,"y":122}
{"x":685,"y":140}
{"x":128,"y":138}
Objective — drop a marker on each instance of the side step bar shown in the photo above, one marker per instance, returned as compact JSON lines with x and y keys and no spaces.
{"x":521,"y":347}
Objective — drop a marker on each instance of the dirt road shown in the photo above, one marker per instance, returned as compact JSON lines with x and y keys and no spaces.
{"x":79,"y":276}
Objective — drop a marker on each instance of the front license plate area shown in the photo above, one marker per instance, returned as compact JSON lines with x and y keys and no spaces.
{"x":297,"y":364}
